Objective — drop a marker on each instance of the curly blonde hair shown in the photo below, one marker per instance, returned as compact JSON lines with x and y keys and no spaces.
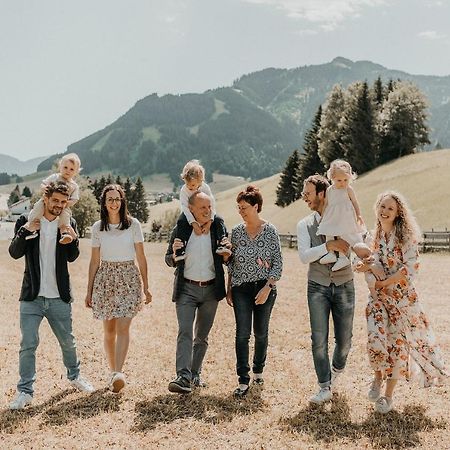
{"x":405,"y":224}
{"x":343,"y":166}
{"x":193,"y":170}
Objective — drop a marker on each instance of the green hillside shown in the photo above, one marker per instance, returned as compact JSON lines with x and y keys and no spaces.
{"x":248,"y":129}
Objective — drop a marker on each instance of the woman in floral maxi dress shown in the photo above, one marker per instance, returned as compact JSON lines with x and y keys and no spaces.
{"x":400,"y":339}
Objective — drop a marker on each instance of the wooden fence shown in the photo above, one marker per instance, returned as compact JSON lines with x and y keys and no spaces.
{"x":431,"y":240}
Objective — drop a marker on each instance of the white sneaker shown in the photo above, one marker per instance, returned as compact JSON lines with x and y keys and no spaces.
{"x":375,"y":390}
{"x":117,"y":382}
{"x":342,"y":262}
{"x":324,"y":395}
{"x":82,"y":385}
{"x":22,"y":399}
{"x":329,"y":258}
{"x":383,"y":405}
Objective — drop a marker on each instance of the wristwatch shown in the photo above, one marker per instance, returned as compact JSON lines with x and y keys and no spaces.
{"x":271,"y":285}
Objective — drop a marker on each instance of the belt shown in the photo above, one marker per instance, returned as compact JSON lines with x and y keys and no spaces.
{"x":200,"y":283}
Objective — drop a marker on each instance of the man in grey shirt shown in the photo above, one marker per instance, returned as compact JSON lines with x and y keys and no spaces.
{"x":199,"y":286}
{"x":328,"y":291}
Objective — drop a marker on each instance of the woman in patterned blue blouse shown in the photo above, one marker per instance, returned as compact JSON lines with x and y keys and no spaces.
{"x":254,"y":269}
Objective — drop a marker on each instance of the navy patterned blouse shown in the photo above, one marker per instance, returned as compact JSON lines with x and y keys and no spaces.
{"x":255,"y":259}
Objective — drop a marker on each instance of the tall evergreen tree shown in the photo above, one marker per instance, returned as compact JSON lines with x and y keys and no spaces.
{"x":403,"y":122}
{"x":330,"y":134}
{"x":288,"y":188}
{"x":119,"y":180}
{"x":26,"y":192}
{"x":378,"y":92}
{"x":138,"y":205}
{"x":310,"y":162}
{"x":128,"y":190}
{"x":358,"y":125}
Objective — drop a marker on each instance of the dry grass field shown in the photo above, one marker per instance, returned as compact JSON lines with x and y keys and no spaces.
{"x":147,"y":416}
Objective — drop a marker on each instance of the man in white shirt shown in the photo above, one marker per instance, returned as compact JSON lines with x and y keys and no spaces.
{"x":328,"y":291}
{"x":46,"y":291}
{"x":199,"y":286}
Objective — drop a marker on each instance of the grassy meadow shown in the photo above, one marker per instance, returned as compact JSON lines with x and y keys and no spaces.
{"x":147,"y":416}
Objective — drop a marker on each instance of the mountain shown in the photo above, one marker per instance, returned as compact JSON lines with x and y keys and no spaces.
{"x":11,"y":165}
{"x":247,"y":129}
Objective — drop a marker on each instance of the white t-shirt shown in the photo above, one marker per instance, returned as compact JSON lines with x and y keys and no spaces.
{"x":117,"y":245}
{"x":47,"y":258}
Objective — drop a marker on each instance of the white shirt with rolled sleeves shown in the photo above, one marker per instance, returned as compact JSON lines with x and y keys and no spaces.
{"x":307,"y":253}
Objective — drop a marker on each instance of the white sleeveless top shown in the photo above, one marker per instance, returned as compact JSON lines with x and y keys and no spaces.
{"x":339,"y":216}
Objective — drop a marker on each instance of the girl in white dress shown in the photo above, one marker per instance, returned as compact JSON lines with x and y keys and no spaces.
{"x":342,"y":215}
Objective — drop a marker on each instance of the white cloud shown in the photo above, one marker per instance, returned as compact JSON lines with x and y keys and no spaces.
{"x":326,"y":13}
{"x":431,"y":35}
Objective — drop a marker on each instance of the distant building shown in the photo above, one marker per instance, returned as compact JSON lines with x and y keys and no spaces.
{"x":23,"y":206}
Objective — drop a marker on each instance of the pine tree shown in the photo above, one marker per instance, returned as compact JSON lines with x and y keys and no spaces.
{"x":138,"y":205}
{"x":358,"y":124}
{"x":127,"y":188}
{"x":310,"y":162}
{"x":26,"y":192}
{"x":330,"y":134}
{"x":14,"y":196}
{"x":403,"y":122}
{"x":288,"y":187}
{"x":378,"y":93}
{"x":119,"y":180}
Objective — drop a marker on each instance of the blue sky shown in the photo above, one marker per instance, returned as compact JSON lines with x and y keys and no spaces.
{"x":71,"y":68}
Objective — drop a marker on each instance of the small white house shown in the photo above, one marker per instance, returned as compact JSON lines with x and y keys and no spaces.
{"x":23,"y":206}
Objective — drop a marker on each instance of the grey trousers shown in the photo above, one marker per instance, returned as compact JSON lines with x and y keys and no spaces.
{"x":196,"y":309}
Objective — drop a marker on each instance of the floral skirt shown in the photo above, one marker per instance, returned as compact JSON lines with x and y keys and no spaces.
{"x":117,"y":290}
{"x":401,"y":343}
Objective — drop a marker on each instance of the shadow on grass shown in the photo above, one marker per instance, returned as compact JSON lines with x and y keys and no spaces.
{"x":207,"y":408}
{"x":10,"y":420}
{"x":395,"y":430}
{"x":98,"y":402}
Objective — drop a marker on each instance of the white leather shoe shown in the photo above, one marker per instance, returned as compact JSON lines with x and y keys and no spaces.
{"x":342,"y":262}
{"x":117,"y":382}
{"x":82,"y":385}
{"x":383,"y":405}
{"x":22,"y":399}
{"x":375,"y":390}
{"x":324,"y":395}
{"x":329,"y":258}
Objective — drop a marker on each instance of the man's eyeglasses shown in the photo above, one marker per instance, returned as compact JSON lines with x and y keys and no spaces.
{"x":111,"y":200}
{"x":305,"y":195}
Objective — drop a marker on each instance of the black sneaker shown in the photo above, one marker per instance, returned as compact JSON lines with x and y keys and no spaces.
{"x":241,"y":391}
{"x":180,"y":254}
{"x":180,"y":385}
{"x":197,"y":382}
{"x":258,"y":381}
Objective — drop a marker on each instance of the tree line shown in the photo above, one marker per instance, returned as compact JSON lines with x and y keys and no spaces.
{"x":367,"y":126}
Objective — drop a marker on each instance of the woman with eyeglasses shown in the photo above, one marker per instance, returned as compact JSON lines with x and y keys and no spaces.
{"x":115,"y":291}
{"x":253,"y":271}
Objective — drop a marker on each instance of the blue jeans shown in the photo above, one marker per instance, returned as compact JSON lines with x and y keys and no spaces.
{"x":244,"y":311}
{"x":340,"y":301}
{"x":59,"y":317}
{"x":196,"y":310}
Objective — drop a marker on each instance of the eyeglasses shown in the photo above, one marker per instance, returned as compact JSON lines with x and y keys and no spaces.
{"x":242,"y":208}
{"x":111,"y":200}
{"x":305,"y":195}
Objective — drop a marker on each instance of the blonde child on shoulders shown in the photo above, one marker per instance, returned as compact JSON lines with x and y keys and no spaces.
{"x":341,"y":216}
{"x":68,"y":168}
{"x":193,"y":175}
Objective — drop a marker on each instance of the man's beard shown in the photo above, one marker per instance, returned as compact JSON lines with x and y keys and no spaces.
{"x":55,"y":211}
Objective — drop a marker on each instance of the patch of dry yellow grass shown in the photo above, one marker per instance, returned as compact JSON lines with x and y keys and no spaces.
{"x":146,"y":415}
